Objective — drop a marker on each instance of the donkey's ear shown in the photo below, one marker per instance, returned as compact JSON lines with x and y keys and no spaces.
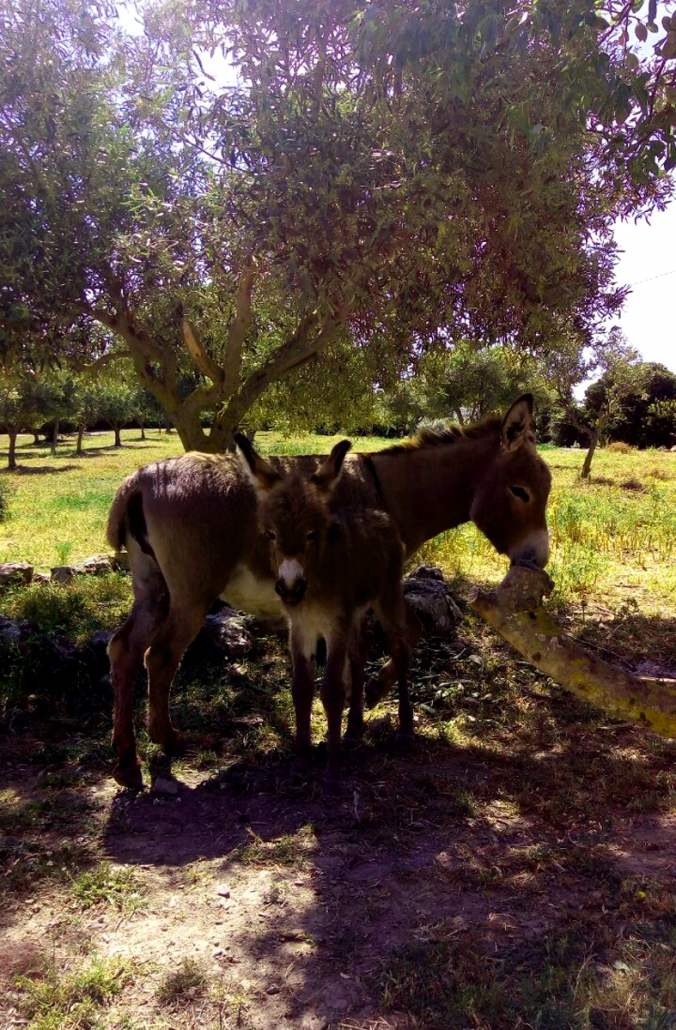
{"x":518,"y":425}
{"x":261,"y":474}
{"x":326,"y":477}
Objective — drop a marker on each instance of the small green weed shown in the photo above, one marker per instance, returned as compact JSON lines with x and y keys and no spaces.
{"x":289,"y":850}
{"x":63,"y":551}
{"x":71,"y":1001}
{"x":109,"y":885}
{"x":183,"y":984}
{"x":78,"y":610}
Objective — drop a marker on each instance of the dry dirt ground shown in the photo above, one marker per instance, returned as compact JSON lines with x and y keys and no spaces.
{"x":517,"y":868}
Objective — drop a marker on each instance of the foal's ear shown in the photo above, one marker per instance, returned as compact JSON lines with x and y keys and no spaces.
{"x":261,"y":474}
{"x":326,"y":476}
{"x":518,"y":425}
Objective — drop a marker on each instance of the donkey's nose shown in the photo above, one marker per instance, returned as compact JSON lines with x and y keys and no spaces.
{"x":291,"y":594}
{"x":534,"y":550}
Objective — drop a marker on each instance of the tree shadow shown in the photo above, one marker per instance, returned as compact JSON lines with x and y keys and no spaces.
{"x":38,"y":470}
{"x":447,"y":846}
{"x":429,"y":882}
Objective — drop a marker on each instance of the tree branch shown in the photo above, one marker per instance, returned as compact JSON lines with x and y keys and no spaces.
{"x":205,"y":364}
{"x":102,"y":362}
{"x":298,"y":350}
{"x":233,"y":352}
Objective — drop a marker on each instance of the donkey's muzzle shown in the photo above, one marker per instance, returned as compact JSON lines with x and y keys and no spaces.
{"x":291,"y":595}
{"x":533,"y":552}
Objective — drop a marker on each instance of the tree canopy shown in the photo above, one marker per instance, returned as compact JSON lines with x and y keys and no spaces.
{"x":362,"y":182}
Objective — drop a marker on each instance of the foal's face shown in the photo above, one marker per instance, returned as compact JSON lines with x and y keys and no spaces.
{"x":294,"y":518}
{"x":293,"y":515}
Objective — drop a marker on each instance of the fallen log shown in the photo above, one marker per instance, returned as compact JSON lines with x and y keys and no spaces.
{"x":515,"y":610}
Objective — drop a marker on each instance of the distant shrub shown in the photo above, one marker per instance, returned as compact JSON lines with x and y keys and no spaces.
{"x":634,"y":484}
{"x":433,"y":425}
{"x":620,"y":447}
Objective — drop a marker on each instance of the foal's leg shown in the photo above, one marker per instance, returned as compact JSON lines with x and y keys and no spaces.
{"x":126,"y":650}
{"x":304,"y":655}
{"x":379,"y":686}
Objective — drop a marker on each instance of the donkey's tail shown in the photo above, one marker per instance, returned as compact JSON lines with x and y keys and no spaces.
{"x":126,"y":517}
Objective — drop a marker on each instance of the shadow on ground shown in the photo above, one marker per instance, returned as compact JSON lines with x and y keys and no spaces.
{"x":515,"y":868}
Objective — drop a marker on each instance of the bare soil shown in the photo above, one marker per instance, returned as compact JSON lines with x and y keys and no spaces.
{"x":518,"y":820}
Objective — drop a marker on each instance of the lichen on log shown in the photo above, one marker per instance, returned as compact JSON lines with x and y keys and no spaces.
{"x":515,"y":611}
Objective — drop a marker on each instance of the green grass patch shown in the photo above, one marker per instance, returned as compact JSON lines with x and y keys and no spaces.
{"x":71,"y":1001}
{"x":109,"y":885}
{"x":78,"y":610}
{"x":570,"y":981}
{"x":182,"y":985}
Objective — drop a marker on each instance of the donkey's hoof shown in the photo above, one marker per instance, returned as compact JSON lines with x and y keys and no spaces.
{"x":129,"y":776}
{"x":351,"y":740}
{"x":353,"y":732}
{"x":331,"y":783}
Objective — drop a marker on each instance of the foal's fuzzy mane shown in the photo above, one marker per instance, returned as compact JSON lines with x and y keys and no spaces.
{"x":425,"y":438}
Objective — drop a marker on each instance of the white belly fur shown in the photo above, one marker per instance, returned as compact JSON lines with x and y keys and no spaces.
{"x":250,"y":594}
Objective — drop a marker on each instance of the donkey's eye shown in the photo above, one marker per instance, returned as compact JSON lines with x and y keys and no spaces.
{"x":270,"y":535}
{"x":312,"y":536}
{"x":519,"y":492}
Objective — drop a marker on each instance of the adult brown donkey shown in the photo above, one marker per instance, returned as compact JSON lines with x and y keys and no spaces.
{"x":190,"y":527}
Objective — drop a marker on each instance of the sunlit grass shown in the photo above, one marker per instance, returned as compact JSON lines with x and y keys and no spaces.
{"x":613,"y":537}
{"x":610,"y":542}
{"x":55,"y":508}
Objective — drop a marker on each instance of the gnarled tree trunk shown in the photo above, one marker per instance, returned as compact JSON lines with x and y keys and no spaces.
{"x":515,"y":611}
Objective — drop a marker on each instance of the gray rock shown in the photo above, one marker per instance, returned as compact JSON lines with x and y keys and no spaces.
{"x":428,"y":595}
{"x":15,"y":572}
{"x":10,"y":632}
{"x":96,"y":565}
{"x":227,"y":631}
{"x":160,"y":785}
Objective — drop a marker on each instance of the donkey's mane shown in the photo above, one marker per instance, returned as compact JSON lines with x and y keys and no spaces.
{"x":424,"y":438}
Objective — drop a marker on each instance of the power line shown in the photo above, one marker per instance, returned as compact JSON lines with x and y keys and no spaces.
{"x":650,"y":279}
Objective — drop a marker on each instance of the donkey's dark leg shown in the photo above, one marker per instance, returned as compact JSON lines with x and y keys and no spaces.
{"x":333,"y":693}
{"x":397,"y":618}
{"x":401,"y":656}
{"x":126,"y":650}
{"x":355,"y":718}
{"x":303,"y":653}
{"x":379,"y":686}
{"x":162,"y":660}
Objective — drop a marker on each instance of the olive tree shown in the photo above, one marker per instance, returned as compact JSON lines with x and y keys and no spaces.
{"x":367,"y":181}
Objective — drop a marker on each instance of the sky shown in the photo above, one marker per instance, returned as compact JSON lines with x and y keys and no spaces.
{"x":648,"y":264}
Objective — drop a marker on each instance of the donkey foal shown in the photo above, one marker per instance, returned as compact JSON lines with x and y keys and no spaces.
{"x":331,"y":567}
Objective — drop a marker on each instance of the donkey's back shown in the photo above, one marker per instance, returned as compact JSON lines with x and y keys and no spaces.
{"x":194,"y":518}
{"x":189,"y":525}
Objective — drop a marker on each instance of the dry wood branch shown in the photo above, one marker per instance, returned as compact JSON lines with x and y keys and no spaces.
{"x":515,"y":611}
{"x":233,"y":354}
{"x":198,"y":354}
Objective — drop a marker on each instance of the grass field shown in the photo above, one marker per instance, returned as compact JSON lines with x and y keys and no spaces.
{"x":515,"y":871}
{"x":613,"y":538}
